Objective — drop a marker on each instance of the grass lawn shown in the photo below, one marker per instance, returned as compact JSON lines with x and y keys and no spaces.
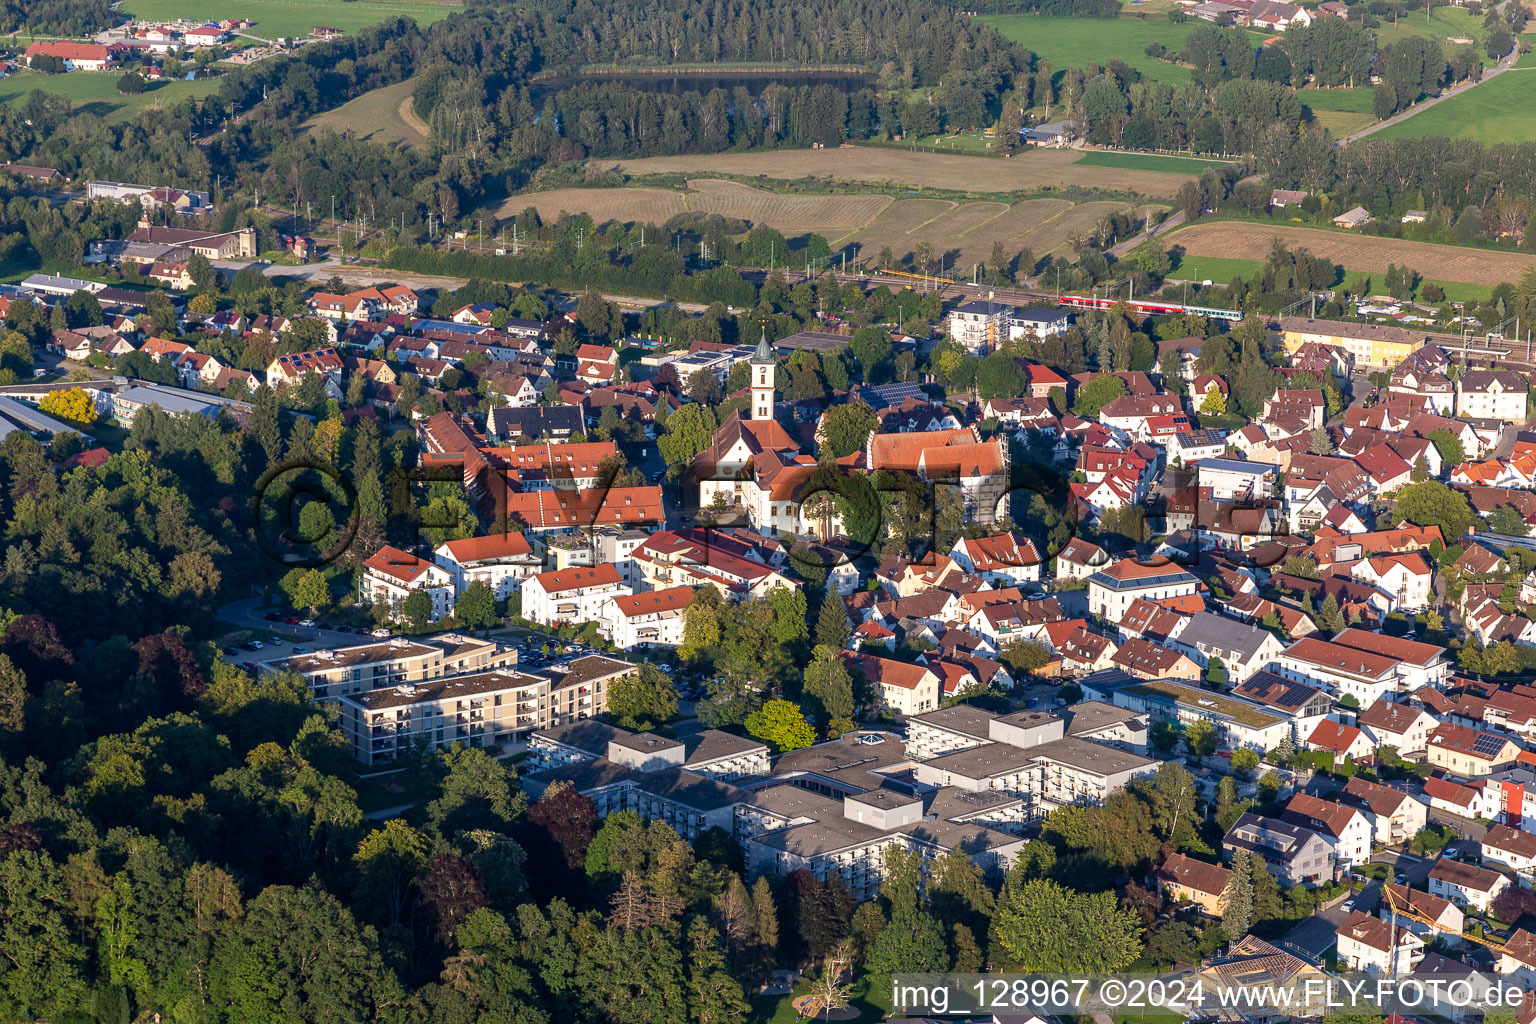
{"x":1150,"y":162}
{"x":872,"y":1002}
{"x":96,"y":92}
{"x":1493,"y":111}
{"x":1341,"y":111}
{"x":1216,"y":269}
{"x":1076,"y":42}
{"x":1444,"y":23}
{"x":964,"y":142}
{"x":289,"y":18}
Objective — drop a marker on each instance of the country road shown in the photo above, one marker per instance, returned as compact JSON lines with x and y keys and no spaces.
{"x":1418,"y":108}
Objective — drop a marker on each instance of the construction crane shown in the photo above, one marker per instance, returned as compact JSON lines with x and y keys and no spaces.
{"x":1413,"y":915}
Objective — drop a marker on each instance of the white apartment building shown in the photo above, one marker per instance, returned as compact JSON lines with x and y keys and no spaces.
{"x":391,"y":575}
{"x":501,"y":562}
{"x":378,"y":664}
{"x":1346,"y":828}
{"x":980,"y":326}
{"x":479,"y":710}
{"x":1113,"y":589}
{"x":1492,"y":395}
{"x":1510,"y":848}
{"x":570,"y":596}
{"x":1341,"y":670}
{"x":653,"y":618}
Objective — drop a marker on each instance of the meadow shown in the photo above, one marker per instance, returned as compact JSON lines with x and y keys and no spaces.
{"x":383,"y":115}
{"x":291,"y":18}
{"x":1341,"y":111}
{"x":1497,"y":110}
{"x":1078,"y":42}
{"x":96,"y":92}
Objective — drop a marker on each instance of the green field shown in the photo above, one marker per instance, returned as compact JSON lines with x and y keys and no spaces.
{"x":96,"y":93}
{"x":1494,"y":111}
{"x":289,"y":18}
{"x":1444,"y":23}
{"x":1076,"y":42}
{"x":1149,"y":162}
{"x":1219,"y":271}
{"x":1214,"y":269}
{"x":1341,"y":111}
{"x":381,"y":115}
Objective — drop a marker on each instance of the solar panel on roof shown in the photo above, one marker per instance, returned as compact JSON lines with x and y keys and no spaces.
{"x":1487,"y":743}
{"x":883,"y":396}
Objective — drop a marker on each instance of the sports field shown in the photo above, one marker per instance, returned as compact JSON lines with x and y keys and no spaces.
{"x":1078,"y":42}
{"x":1024,"y":172}
{"x":380,"y":115}
{"x":1238,"y":240}
{"x":291,"y":18}
{"x":963,"y":232}
{"x":96,"y":92}
{"x":1497,"y":110}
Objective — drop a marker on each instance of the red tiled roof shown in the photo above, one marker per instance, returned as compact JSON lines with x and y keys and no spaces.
{"x":652,"y":601}
{"x":501,"y":545}
{"x":558,"y":581}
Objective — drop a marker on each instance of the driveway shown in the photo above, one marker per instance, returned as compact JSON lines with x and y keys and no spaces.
{"x":250,"y":614}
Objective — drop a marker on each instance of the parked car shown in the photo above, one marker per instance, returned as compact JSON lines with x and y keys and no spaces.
{"x":292,"y":620}
{"x":279,"y":641}
{"x":325,"y":625}
{"x":307,"y":623}
{"x":380,"y":632}
{"x":254,"y":645}
{"x":228,"y":650}
{"x":249,"y":666}
{"x":274,"y":617}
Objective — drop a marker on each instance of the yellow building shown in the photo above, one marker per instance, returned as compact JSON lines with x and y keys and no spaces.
{"x":1373,"y":346}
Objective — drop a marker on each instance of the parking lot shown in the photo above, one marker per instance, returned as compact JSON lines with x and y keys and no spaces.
{"x":281,"y":636}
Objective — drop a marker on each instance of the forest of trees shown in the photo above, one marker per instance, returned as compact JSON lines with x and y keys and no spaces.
{"x":57,"y":17}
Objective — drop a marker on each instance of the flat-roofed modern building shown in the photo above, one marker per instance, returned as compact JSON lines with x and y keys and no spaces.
{"x":479,"y":710}
{"x":357,"y":668}
{"x":1239,"y":723}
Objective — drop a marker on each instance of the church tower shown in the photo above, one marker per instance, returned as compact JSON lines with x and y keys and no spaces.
{"x":762,"y":364}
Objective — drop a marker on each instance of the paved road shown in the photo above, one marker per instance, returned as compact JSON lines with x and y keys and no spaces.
{"x":1498,"y":69}
{"x":249,"y":614}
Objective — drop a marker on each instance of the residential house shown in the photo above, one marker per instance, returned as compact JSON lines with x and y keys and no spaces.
{"x":1078,"y":559}
{"x":1002,"y":559}
{"x":1466,"y":885}
{"x":1375,"y":946}
{"x":1113,"y":588}
{"x":1470,"y":753}
{"x":571,"y":596}
{"x":1181,"y":877}
{"x":390,"y":575}
{"x":500,"y":561}
{"x":905,"y":688}
{"x":1403,"y":727}
{"x":1294,"y":855}
{"x":1242,"y":648}
{"x":1348,"y":672}
{"x":645,"y":620}
{"x":1495,"y":395}
{"x":1395,"y":816}
{"x":1511,"y":848}
{"x":1343,"y":741}
{"x":1345,"y":826}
